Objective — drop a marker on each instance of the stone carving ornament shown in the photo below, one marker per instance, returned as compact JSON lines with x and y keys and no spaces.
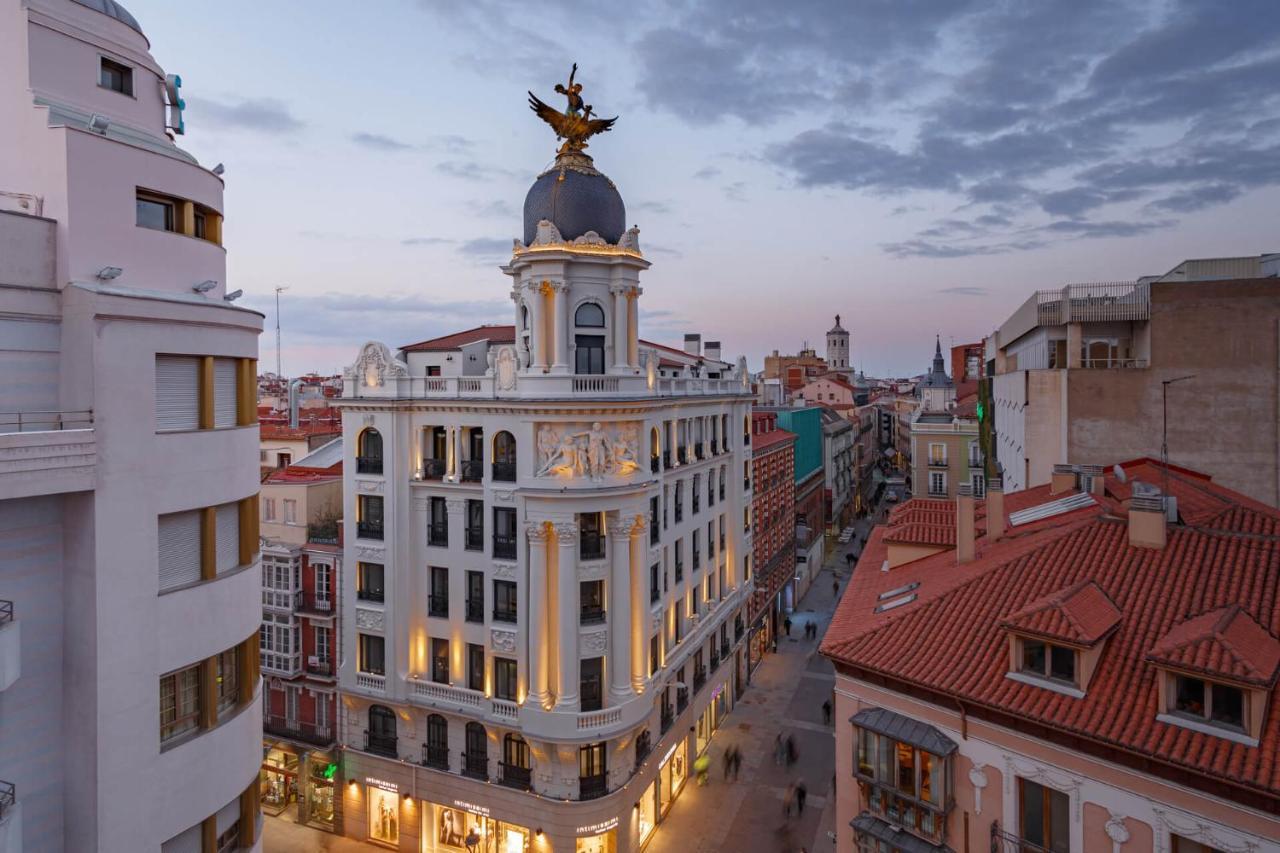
{"x":1116,"y":831}
{"x":375,"y":365}
{"x":978,"y":778}
{"x":566,"y":532}
{"x":369,"y":620}
{"x":502,"y":641}
{"x":594,"y":642}
{"x":370,"y":485}
{"x":506,"y":364}
{"x":504,"y":570}
{"x":371,"y":553}
{"x":591,"y":452}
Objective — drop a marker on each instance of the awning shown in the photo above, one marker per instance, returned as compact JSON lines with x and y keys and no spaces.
{"x":890,"y":724}
{"x":900,"y":839}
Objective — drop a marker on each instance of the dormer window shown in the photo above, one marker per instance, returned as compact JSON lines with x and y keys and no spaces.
{"x":1047,"y":660}
{"x":116,"y":77}
{"x":1220,"y":704}
{"x":1056,"y":641}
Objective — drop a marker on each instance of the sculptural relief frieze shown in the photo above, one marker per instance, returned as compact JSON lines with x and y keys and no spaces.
{"x":593,"y":451}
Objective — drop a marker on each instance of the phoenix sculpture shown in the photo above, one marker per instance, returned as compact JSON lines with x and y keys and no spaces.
{"x":575,"y":125}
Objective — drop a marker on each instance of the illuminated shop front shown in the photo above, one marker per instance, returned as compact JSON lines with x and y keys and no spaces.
{"x":712,"y":716}
{"x":278,"y":779}
{"x":598,"y":838}
{"x":647,"y":811}
{"x":463,"y":826}
{"x":671,"y":775}
{"x":319,"y":794}
{"x":384,"y":811}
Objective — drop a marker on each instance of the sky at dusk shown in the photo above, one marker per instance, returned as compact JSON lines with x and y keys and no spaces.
{"x":917,"y":166}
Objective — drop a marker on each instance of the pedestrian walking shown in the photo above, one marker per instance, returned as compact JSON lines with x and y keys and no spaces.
{"x":786,"y":625}
{"x":826,"y":712}
{"x":802,"y":791}
{"x":835,"y":589}
{"x":728,"y":762}
{"x":700,"y":767}
{"x":788,"y":798}
{"x":779,"y":750}
{"x":737,"y":761}
{"x":792,"y":754}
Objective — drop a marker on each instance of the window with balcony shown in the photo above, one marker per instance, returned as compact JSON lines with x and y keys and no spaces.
{"x":380,"y":737}
{"x":474,"y":540}
{"x":372,"y":654}
{"x":504,"y":601}
{"x":654,"y":530}
{"x":369,"y":516}
{"x":369,"y":581}
{"x":439,"y":660}
{"x":369,"y":452}
{"x":438,"y":523}
{"x":115,"y":76}
{"x":471,"y":469}
{"x":434,"y":452}
{"x":590,"y":684}
{"x":654,"y":591}
{"x":475,"y":760}
{"x":591,"y":536}
{"x":438,"y":603}
{"x":591,"y":602}
{"x":904,"y":771}
{"x":505,"y":679}
{"x":435,"y":752}
{"x":475,"y":666}
{"x":475,"y":596}
{"x":938,"y":455}
{"x":504,"y":458}
{"x":592,"y":771}
{"x":937,"y":484}
{"x":504,"y":533}
{"x":515,"y":770}
{"x":1044,"y":817}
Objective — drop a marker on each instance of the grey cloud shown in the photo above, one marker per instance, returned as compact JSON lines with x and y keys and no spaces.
{"x":453,"y":143}
{"x":931,"y":249}
{"x":1081,"y":228}
{"x":706,"y":173}
{"x":658,"y":207}
{"x":1078,"y":200}
{"x":426,"y":241}
{"x":736,"y":191}
{"x":470,"y":170}
{"x":654,"y":248}
{"x":496,"y":209}
{"x":965,"y":291}
{"x":267,"y":115}
{"x":379,"y":142}
{"x":486,"y":246}
{"x":1196,"y":198}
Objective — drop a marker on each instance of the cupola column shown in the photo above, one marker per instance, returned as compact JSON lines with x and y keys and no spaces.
{"x":619,"y":604}
{"x":561,"y":302}
{"x":633,"y":327}
{"x":539,"y":641}
{"x":620,"y":327}
{"x":567,"y":614}
{"x":537,"y":327}
{"x":639,"y":608}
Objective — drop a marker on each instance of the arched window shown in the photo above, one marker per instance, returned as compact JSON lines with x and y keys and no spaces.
{"x":588,"y":353}
{"x":475,"y":760}
{"x":381,"y":734}
{"x":369,"y":452}
{"x":655,"y":449}
{"x":524,"y":318}
{"x":504,"y":457}
{"x":589,"y":314}
{"x":515,"y":751}
{"x":436,"y":749}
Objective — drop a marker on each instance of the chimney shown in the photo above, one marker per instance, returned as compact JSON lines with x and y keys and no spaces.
{"x":712,"y":350}
{"x":995,"y":509}
{"x":693,"y":344}
{"x":1147,"y":521}
{"x":964,"y":523}
{"x":294,"y":387}
{"x":1093,"y":480}
{"x":1063,"y":479}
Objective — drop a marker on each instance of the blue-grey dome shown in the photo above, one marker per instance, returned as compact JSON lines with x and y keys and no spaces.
{"x":577,"y":199}
{"x":112,"y":9}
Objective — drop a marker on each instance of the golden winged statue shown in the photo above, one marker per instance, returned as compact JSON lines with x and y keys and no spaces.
{"x":575,"y":125}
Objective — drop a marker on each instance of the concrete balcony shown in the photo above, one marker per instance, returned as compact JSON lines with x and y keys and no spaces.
{"x":45,"y":461}
{"x":541,"y":386}
{"x":10,"y":647}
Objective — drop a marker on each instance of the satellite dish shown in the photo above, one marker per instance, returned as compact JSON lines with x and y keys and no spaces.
{"x":1119,"y":473}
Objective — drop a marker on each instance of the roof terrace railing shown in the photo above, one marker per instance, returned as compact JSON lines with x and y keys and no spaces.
{"x":45,"y":421}
{"x":1101,"y":302}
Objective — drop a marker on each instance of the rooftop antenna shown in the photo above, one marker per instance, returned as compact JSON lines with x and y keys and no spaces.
{"x":1164,"y":438}
{"x":279,"y":368}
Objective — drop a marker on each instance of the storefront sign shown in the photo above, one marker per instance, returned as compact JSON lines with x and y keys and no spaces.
{"x":716,"y":693}
{"x":671,"y":751}
{"x":471,"y":807}
{"x":597,"y":828}
{"x":382,"y":783}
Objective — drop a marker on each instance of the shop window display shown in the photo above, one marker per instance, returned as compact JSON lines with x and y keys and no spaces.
{"x":671,"y":775}
{"x":320,"y":792}
{"x":605,"y":842}
{"x":456,"y":829}
{"x":384,"y":815}
{"x":278,"y":780}
{"x":648,"y":813}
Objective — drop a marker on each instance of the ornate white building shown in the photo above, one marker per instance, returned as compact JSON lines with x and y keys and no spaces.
{"x":547,"y":531}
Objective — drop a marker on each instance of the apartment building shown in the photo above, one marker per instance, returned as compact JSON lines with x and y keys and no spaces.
{"x":809,"y":473}
{"x":559,"y":524}
{"x":299,"y":642}
{"x":130,"y":715}
{"x":1076,"y":684}
{"x":773,"y":513}
{"x":838,"y":445}
{"x":1083,"y":374}
{"x":945,"y":451}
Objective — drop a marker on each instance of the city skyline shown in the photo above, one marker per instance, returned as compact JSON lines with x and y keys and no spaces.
{"x":883,"y":154}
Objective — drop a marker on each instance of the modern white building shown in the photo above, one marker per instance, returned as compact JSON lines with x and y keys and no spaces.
{"x":130,"y":712}
{"x":547,"y":532}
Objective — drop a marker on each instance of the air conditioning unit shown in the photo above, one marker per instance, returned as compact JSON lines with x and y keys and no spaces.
{"x":313,"y":661}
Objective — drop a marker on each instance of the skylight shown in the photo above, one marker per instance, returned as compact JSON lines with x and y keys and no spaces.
{"x":898,"y":590}
{"x":1075,"y":501}
{"x":895,"y":603}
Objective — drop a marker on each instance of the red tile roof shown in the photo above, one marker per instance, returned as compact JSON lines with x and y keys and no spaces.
{"x":1226,"y":642}
{"x":1081,"y":614}
{"x":929,"y":521}
{"x":304,"y":429}
{"x":766,"y":440}
{"x":950,"y":642}
{"x":493,"y":334}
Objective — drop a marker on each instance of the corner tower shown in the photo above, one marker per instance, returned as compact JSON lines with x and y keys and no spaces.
{"x":838,"y":347}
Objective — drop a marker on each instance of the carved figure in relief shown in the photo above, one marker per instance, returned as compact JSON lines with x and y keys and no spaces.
{"x":625,"y":450}
{"x":597,"y":451}
{"x":505,"y":365}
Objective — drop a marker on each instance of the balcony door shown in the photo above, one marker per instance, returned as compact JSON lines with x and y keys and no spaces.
{"x":1044,"y":816}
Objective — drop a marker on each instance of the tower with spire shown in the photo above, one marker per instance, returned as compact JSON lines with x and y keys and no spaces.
{"x":838,"y":349}
{"x":937,"y":391}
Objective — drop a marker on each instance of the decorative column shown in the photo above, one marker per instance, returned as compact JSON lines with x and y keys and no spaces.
{"x":633,"y":327}
{"x":619,"y":615}
{"x":620,"y":326}
{"x":451,"y":453}
{"x":561,"y":303}
{"x":567,"y":614}
{"x":639,"y":605}
{"x":539,"y":633}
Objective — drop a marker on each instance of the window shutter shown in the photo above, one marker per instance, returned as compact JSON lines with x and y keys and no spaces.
{"x":228,"y":815}
{"x":185,"y":842}
{"x":228,"y":542}
{"x":177,"y":392}
{"x":224,"y":392}
{"x":179,"y":549}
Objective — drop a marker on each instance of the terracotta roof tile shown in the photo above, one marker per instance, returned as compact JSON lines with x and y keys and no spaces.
{"x":1226,"y":642}
{"x":1081,"y":614}
{"x":493,"y":334}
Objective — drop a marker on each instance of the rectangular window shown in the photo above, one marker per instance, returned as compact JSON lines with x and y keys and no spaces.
{"x":1044,"y":816}
{"x":1046,"y":660}
{"x":591,"y":680}
{"x":588,"y":354}
{"x":115,"y":76}
{"x":591,"y":602}
{"x":372,"y":654}
{"x":475,"y":596}
{"x":504,"y":601}
{"x":504,"y":533}
{"x":439,"y":597}
{"x":653,"y":654}
{"x":177,"y":393}
{"x":227,"y":678}
{"x":155,"y":212}
{"x":439,"y":660}
{"x":369,"y":514}
{"x":225,"y":402}
{"x":369,"y":581}
{"x":227,"y":537}
{"x":179,"y":703}
{"x":438,"y":531}
{"x":591,"y":536}
{"x":475,"y":526}
{"x":655,"y":592}
{"x":505,"y":681}
{"x":179,"y":549}
{"x":1216,"y":703}
{"x":937,"y":454}
{"x":290,"y":511}
{"x":937,"y":484}
{"x":475,"y":666}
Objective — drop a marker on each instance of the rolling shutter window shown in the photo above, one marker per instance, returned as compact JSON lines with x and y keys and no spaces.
{"x":228,"y":543}
{"x":177,"y":392}
{"x":224,"y":392}
{"x":179,"y":540}
{"x":184,"y":842}
{"x":228,"y":815}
